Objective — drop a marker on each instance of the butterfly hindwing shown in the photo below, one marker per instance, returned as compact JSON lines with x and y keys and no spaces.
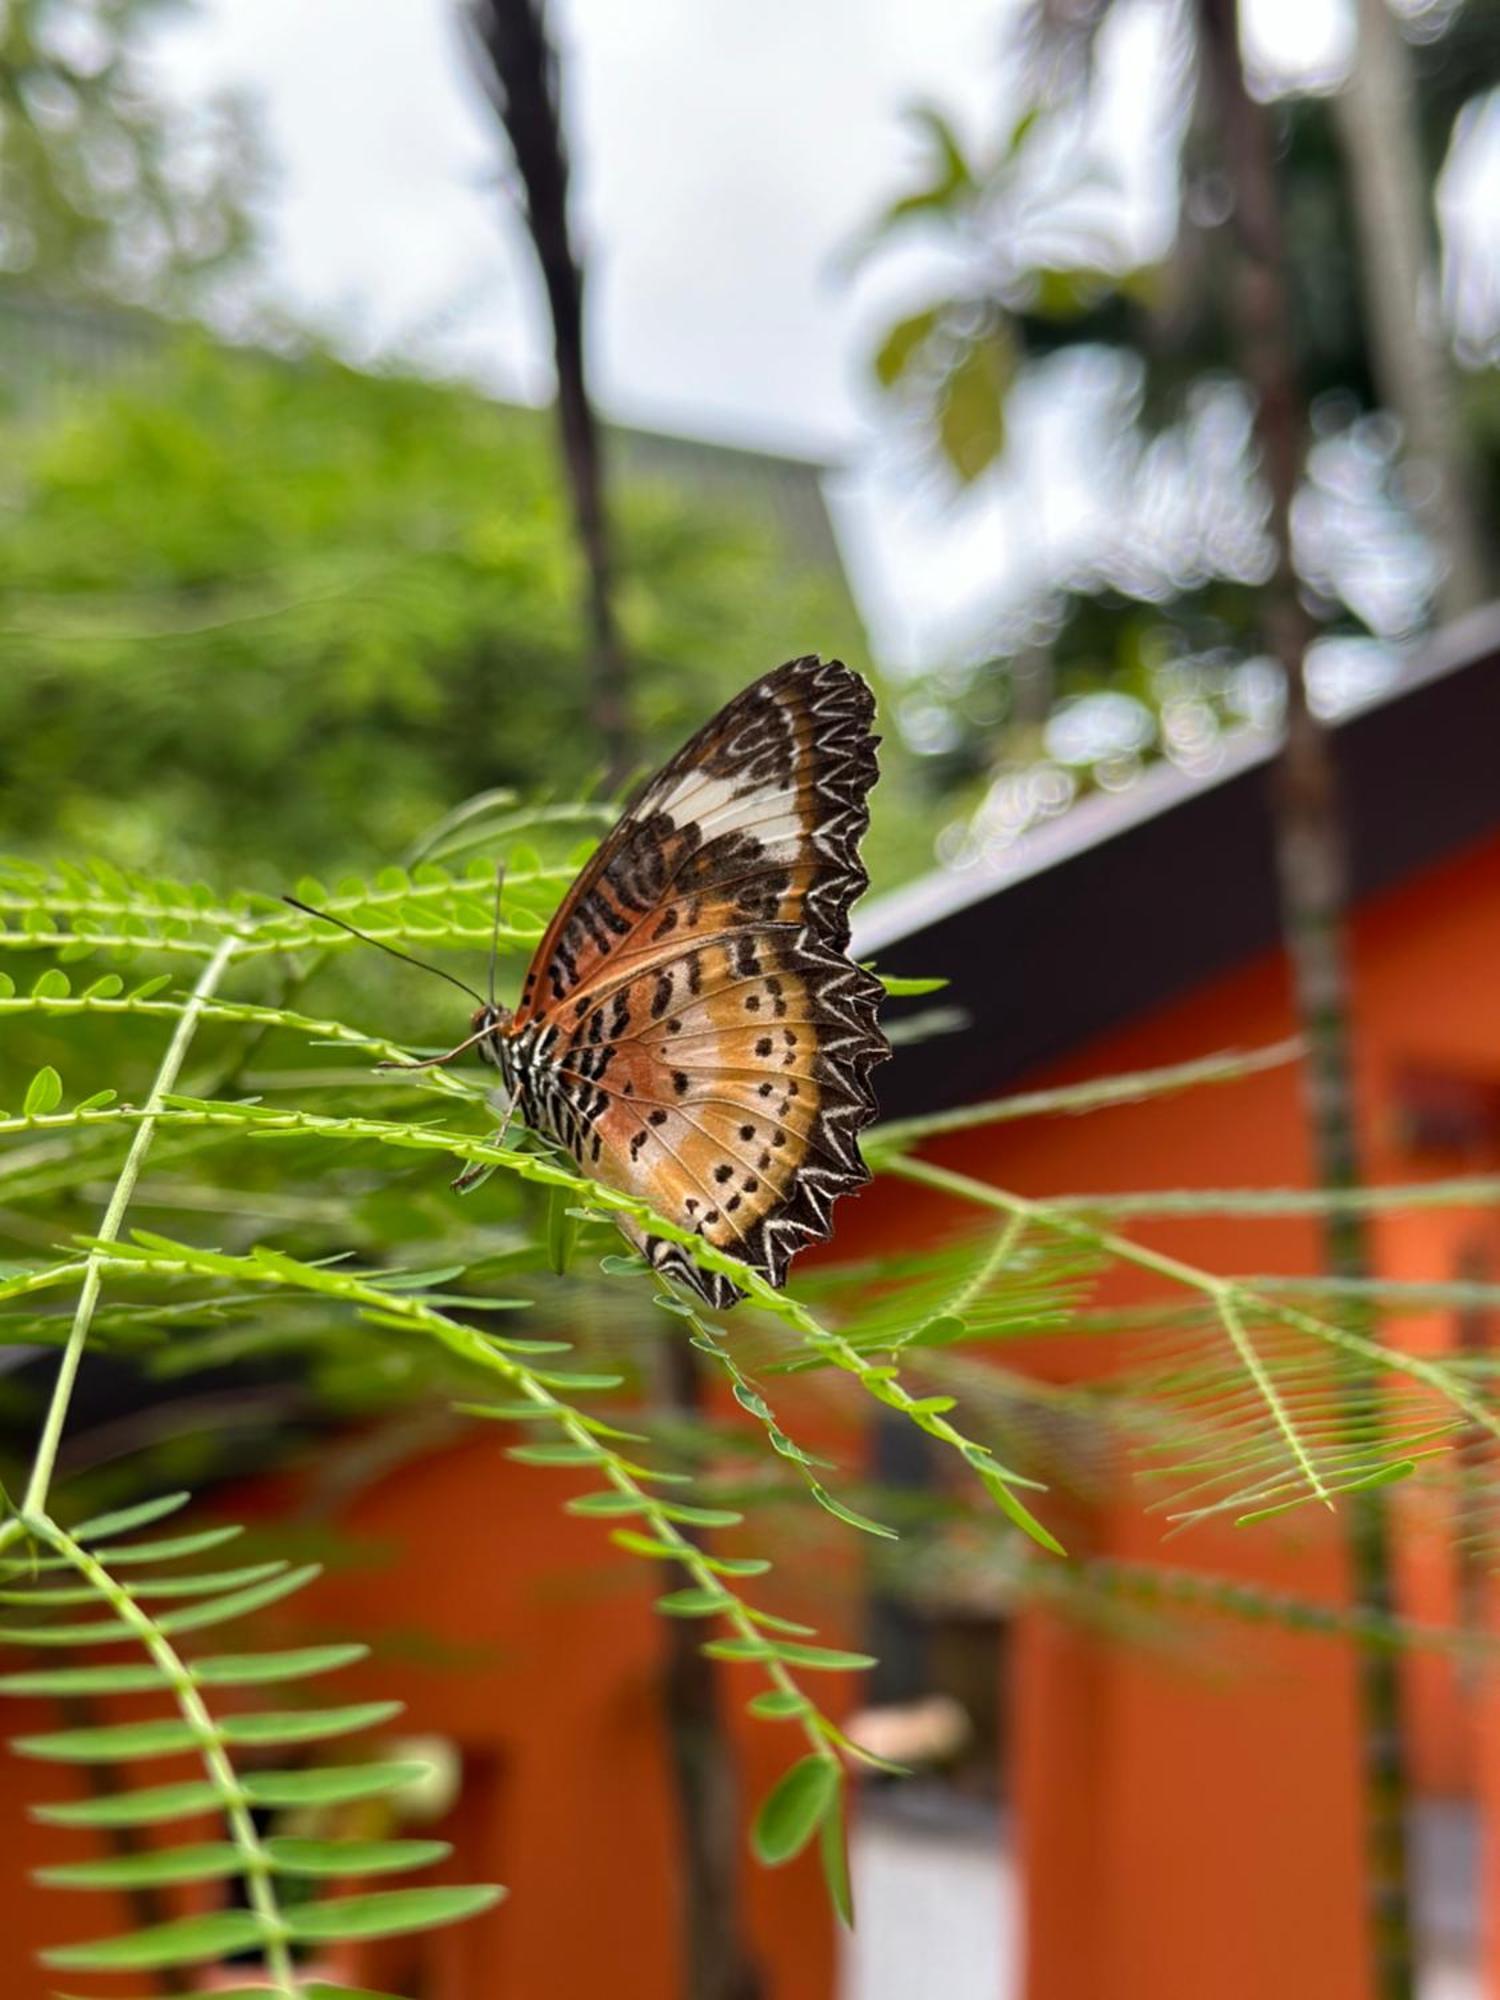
{"x":705,"y":1039}
{"x":736,"y":1109}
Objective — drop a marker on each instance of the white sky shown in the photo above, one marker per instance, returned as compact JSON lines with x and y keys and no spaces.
{"x":725,"y":153}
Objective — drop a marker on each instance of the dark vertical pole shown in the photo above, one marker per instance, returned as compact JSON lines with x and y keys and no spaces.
{"x":718,"y":1961}
{"x":519,"y":66}
{"x":1311,"y":866}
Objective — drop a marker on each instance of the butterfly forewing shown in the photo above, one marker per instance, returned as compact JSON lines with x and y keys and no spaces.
{"x":701,"y":1039}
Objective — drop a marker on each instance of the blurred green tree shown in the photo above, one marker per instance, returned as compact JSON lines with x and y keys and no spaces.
{"x":287,"y":614}
{"x":107,"y":187}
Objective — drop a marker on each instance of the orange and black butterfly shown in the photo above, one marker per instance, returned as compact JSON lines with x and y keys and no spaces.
{"x":692,"y":1030}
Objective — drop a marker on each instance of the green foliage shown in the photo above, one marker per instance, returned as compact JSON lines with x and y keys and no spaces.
{"x":267,"y":1925}
{"x":794,"y":1809}
{"x":110,"y":188}
{"x":1036,"y":254}
{"x":350,"y":601}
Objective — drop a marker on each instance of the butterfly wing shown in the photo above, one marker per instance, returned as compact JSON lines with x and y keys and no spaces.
{"x":705,"y":1039}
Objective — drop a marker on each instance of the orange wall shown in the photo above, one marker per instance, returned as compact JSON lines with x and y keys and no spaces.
{"x":1189,"y":1829}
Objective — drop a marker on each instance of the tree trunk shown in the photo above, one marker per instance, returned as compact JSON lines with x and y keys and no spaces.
{"x":1312,"y":873}
{"x":717,"y":1961}
{"x":1375,"y":117}
{"x":519,"y":66}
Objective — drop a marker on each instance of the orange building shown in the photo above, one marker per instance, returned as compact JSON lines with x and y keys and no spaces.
{"x":1185,"y":1829}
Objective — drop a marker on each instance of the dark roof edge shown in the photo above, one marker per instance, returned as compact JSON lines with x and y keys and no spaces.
{"x":1100,"y":817}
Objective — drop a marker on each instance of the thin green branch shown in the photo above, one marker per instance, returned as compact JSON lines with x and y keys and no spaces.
{"x":1476,"y":1190}
{"x":314,"y":1027}
{"x":1068,"y":1224}
{"x":1234,"y":1326}
{"x":35,"y":1501}
{"x":590,"y":1437}
{"x":1097,"y":1095}
{"x":752,"y":1399}
{"x":879,"y":1380}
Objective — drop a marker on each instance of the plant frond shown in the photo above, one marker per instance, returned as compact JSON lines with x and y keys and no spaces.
{"x":100,"y":1559}
{"x":1305,"y":1411}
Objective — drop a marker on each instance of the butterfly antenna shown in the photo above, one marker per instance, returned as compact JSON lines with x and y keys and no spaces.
{"x":495,"y":933}
{"x":381,"y":945}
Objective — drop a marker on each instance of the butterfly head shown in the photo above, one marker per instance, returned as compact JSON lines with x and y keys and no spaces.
{"x":487,"y":1027}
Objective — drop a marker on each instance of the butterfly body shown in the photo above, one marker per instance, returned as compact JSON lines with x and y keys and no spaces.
{"x":692,"y":1030}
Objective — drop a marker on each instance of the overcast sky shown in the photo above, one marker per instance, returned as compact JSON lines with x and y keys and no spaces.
{"x":725,"y":154}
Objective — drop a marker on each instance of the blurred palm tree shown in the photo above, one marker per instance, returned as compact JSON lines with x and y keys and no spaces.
{"x":1038,"y":252}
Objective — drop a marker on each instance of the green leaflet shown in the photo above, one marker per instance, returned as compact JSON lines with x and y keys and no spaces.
{"x":354,"y":1857}
{"x":117,"y":1742}
{"x":554,"y":1454}
{"x":204,"y":1584}
{"x":62,"y":1681}
{"x":239,"y":1603}
{"x":90,"y":1632}
{"x":699,"y":1517}
{"x":833,"y":1852}
{"x":777,"y":1705}
{"x":841,"y":1511}
{"x":126,"y":1519}
{"x":694,"y":1603}
{"x":189,"y":1941}
{"x":388,"y":1914}
{"x":320,"y":1992}
{"x":43,"y":1094}
{"x":649,"y":1545}
{"x":209,"y":1861}
{"x":127,"y":1555}
{"x":996,"y":1483}
{"x":152,"y":1806}
{"x":909,"y":989}
{"x":608,"y":1503}
{"x":562,"y":1231}
{"x":793,"y":1809}
{"x":239,"y":1670}
{"x":308,"y":1725}
{"x":111,"y":1745}
{"x":338,"y":1785}
{"x":579,"y":1384}
{"x":769,"y":1622}
{"x":824,"y":1659}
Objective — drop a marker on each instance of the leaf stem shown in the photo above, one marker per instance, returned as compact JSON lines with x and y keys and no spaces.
{"x":34,"y":1502}
{"x":1098,"y":1094}
{"x":1192,"y":1277}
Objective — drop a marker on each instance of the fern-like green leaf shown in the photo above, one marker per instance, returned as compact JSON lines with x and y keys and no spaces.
{"x":388,"y":1914}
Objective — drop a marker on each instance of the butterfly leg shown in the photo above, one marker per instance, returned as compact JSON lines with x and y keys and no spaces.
{"x":480,"y":1170}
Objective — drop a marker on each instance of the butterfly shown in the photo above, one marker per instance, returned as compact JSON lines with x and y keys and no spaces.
{"x":692,"y":1030}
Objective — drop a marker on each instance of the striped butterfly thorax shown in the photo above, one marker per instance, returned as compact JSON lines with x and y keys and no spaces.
{"x":691,"y":1028}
